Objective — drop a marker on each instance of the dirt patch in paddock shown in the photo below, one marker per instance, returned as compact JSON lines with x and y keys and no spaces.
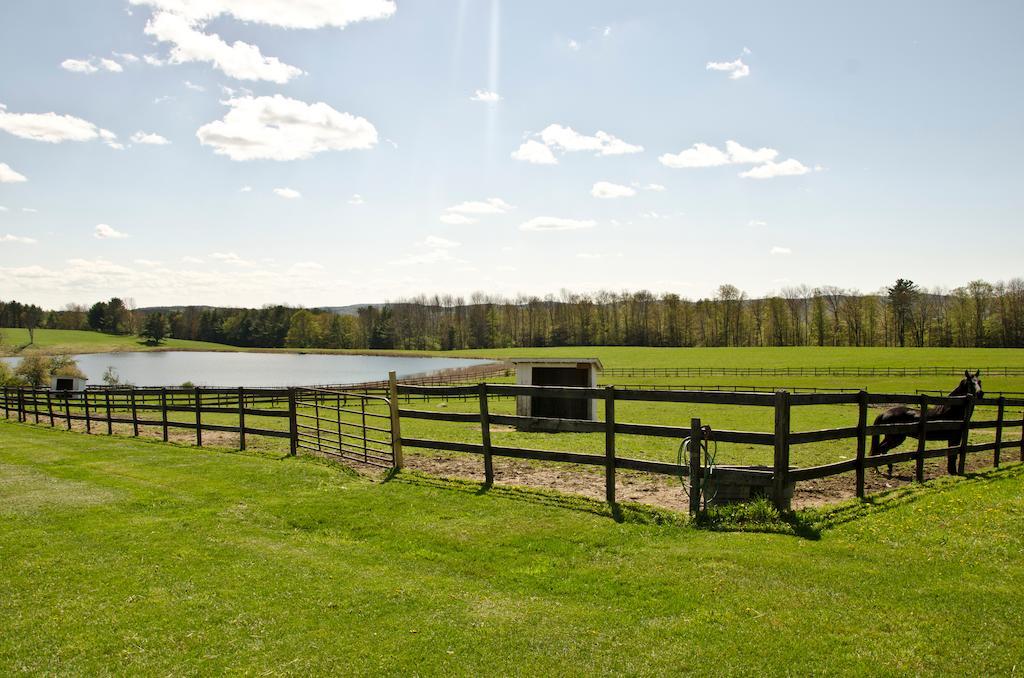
{"x":663,"y":491}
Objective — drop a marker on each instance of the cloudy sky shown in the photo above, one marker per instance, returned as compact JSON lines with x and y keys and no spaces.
{"x":340,"y":151}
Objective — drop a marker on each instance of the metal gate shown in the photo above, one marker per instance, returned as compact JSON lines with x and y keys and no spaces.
{"x":351,"y":426}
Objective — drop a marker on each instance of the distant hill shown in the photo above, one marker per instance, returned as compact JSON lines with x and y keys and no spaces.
{"x":351,"y":309}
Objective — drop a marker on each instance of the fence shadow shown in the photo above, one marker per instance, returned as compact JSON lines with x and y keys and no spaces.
{"x":627,"y":512}
{"x":828,"y":517}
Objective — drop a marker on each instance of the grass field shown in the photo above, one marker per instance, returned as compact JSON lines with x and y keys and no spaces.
{"x":15,"y":340}
{"x":134,"y":557}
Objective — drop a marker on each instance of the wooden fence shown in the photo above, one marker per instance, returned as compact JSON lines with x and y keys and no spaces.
{"x":101,"y":409}
{"x":781,"y":477}
{"x":807,"y":371}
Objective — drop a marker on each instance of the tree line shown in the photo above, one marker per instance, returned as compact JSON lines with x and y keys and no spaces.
{"x":976,"y":314}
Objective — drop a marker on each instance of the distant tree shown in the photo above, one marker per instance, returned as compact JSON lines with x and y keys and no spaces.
{"x":30,"y":318}
{"x":97,"y":317}
{"x":7,"y":377}
{"x":901,"y":296}
{"x":382,"y":334}
{"x":155,"y":329}
{"x":111,"y":377}
{"x":118,"y":321}
{"x":65,"y":366}
{"x":303,"y":330}
{"x":35,"y":370}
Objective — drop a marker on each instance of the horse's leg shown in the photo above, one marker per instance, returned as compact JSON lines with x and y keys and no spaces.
{"x":951,"y":457}
{"x":889,"y":442}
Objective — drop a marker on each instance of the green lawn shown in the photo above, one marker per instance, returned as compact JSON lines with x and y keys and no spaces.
{"x":134,"y":557}
{"x":15,"y":340}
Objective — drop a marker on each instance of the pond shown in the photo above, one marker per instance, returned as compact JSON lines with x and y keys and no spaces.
{"x":223,"y":369}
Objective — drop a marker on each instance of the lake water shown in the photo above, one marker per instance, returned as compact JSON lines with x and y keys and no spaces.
{"x":213,"y":369}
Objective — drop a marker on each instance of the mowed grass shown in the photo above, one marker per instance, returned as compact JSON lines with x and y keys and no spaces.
{"x":788,"y":356}
{"x":136,"y":557}
{"x":15,"y":340}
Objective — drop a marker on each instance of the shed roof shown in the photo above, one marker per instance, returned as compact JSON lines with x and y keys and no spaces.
{"x":556,"y":361}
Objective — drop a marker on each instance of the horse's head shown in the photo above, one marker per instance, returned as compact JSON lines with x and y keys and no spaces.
{"x":971,"y":385}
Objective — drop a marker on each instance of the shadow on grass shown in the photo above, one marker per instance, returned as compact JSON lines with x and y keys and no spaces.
{"x":619,"y":512}
{"x":760,"y":516}
{"x":828,"y":517}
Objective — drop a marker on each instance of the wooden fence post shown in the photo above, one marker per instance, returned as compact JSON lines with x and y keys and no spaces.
{"x":999,"y":431}
{"x":163,"y":413}
{"x":396,"y":422}
{"x":7,"y":403}
{"x":199,"y":417}
{"x":485,"y":434}
{"x":67,"y":409}
{"x":135,"y":415}
{"x":781,"y":465}
{"x":22,"y":416}
{"x":35,"y":403}
{"x":922,"y":440}
{"x":965,"y":436}
{"x":88,"y":421}
{"x":110,"y":422}
{"x":241,"y":418}
{"x":49,"y":407}
{"x":862,"y":439}
{"x":609,"y":444}
{"x":293,"y":424}
{"x":696,"y":438}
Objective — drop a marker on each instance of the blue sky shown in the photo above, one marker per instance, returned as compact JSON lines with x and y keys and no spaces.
{"x":332,"y":152}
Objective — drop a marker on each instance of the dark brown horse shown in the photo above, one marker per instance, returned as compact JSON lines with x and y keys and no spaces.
{"x":970,"y":385}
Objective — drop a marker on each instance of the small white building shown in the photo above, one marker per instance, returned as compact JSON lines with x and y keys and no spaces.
{"x":557,"y":372}
{"x":67,"y":383}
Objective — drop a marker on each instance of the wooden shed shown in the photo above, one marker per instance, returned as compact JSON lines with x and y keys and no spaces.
{"x":557,"y":372}
{"x":59,"y":382}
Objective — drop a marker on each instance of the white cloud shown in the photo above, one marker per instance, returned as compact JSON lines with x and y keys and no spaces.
{"x":147,"y":262}
{"x":574,"y":46}
{"x":149,"y":138}
{"x":194,"y":87}
{"x":770,"y":170}
{"x":539,"y":150}
{"x":305,"y":267}
{"x":2,"y":208}
{"x":53,"y":128}
{"x":607,"y":31}
{"x":568,"y":139}
{"x":111,"y":65}
{"x":436,"y":241}
{"x":757,"y":223}
{"x":736,"y":69}
{"x":700,"y":155}
{"x":21,"y":240}
{"x":433,"y":250}
{"x":555,"y":224}
{"x":606,"y":189}
{"x":154,"y":60}
{"x":703,"y":155}
{"x":230,"y":258}
{"x":486,"y":96}
{"x":654,"y":187}
{"x":780,"y":250}
{"x":29,"y":210}
{"x":356,"y":199}
{"x":9,"y":176}
{"x":127,"y":57}
{"x":457,"y":219}
{"x":309,"y":14}
{"x":535,"y":152}
{"x":287,"y":193}
{"x":279,"y":128}
{"x":91,"y":65}
{"x":78,"y":66}
{"x":245,"y":189}
{"x":488,"y":206}
{"x":191,"y":260}
{"x":106,"y":232}
{"x":238,"y":60}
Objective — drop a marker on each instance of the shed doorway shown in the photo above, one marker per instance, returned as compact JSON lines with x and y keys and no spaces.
{"x":561,"y":408}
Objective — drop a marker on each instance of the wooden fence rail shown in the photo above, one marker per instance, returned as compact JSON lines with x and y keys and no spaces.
{"x":781,"y":438}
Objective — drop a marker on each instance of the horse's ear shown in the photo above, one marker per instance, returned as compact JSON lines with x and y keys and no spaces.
{"x":967,"y":374}
{"x":977,"y":374}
